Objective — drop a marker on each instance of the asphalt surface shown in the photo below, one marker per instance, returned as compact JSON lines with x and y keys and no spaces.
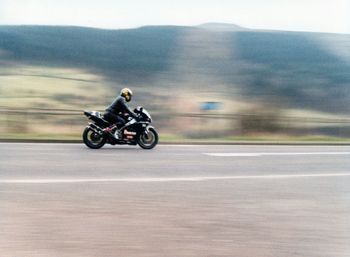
{"x":67,"y":200}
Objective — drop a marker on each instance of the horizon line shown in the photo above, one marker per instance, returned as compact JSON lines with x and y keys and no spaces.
{"x":174,"y":25}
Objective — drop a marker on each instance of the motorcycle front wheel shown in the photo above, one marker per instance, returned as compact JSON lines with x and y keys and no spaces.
{"x":148,"y":140}
{"x":92,"y":139}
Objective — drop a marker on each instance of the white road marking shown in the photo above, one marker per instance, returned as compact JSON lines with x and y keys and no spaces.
{"x":160,"y":179}
{"x":273,"y":154}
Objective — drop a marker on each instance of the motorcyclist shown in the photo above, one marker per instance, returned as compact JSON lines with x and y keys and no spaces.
{"x":115,"y":112}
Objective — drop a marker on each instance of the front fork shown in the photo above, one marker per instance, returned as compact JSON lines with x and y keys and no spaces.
{"x":148,"y":127}
{"x":144,"y":128}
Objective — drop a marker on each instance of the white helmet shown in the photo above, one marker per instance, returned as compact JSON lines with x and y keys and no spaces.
{"x":126,"y":93}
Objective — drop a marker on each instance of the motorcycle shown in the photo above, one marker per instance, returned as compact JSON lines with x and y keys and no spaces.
{"x":136,"y":131}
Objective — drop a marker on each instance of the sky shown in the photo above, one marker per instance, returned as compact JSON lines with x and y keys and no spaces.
{"x":292,"y":15}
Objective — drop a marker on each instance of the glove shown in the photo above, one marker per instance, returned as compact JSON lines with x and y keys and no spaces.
{"x":135,"y":116}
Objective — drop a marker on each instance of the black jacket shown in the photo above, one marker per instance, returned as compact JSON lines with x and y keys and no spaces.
{"x":119,"y":106}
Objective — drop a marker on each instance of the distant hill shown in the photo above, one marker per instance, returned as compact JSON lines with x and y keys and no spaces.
{"x":295,"y":69}
{"x":221,"y":27}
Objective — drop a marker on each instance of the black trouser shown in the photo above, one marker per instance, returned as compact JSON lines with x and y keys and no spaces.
{"x":114,"y":119}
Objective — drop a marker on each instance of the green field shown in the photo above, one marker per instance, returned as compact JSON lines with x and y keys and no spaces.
{"x":51,"y":88}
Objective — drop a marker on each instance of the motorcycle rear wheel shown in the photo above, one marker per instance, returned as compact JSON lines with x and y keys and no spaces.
{"x":92,"y":139}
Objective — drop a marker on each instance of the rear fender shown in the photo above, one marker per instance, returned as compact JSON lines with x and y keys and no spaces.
{"x":87,"y":114}
{"x":99,"y":121}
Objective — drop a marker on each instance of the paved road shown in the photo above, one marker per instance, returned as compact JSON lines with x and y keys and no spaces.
{"x":66,"y":200}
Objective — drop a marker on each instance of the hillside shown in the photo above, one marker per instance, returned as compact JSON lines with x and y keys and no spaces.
{"x":289,"y":69}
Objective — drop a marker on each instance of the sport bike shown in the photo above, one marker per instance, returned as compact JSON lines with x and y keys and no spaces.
{"x":135,"y":131}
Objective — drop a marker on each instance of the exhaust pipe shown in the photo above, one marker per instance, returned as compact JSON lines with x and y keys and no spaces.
{"x":96,"y":129}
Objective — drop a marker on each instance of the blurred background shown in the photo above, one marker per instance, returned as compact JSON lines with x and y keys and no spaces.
{"x":240,"y":77}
